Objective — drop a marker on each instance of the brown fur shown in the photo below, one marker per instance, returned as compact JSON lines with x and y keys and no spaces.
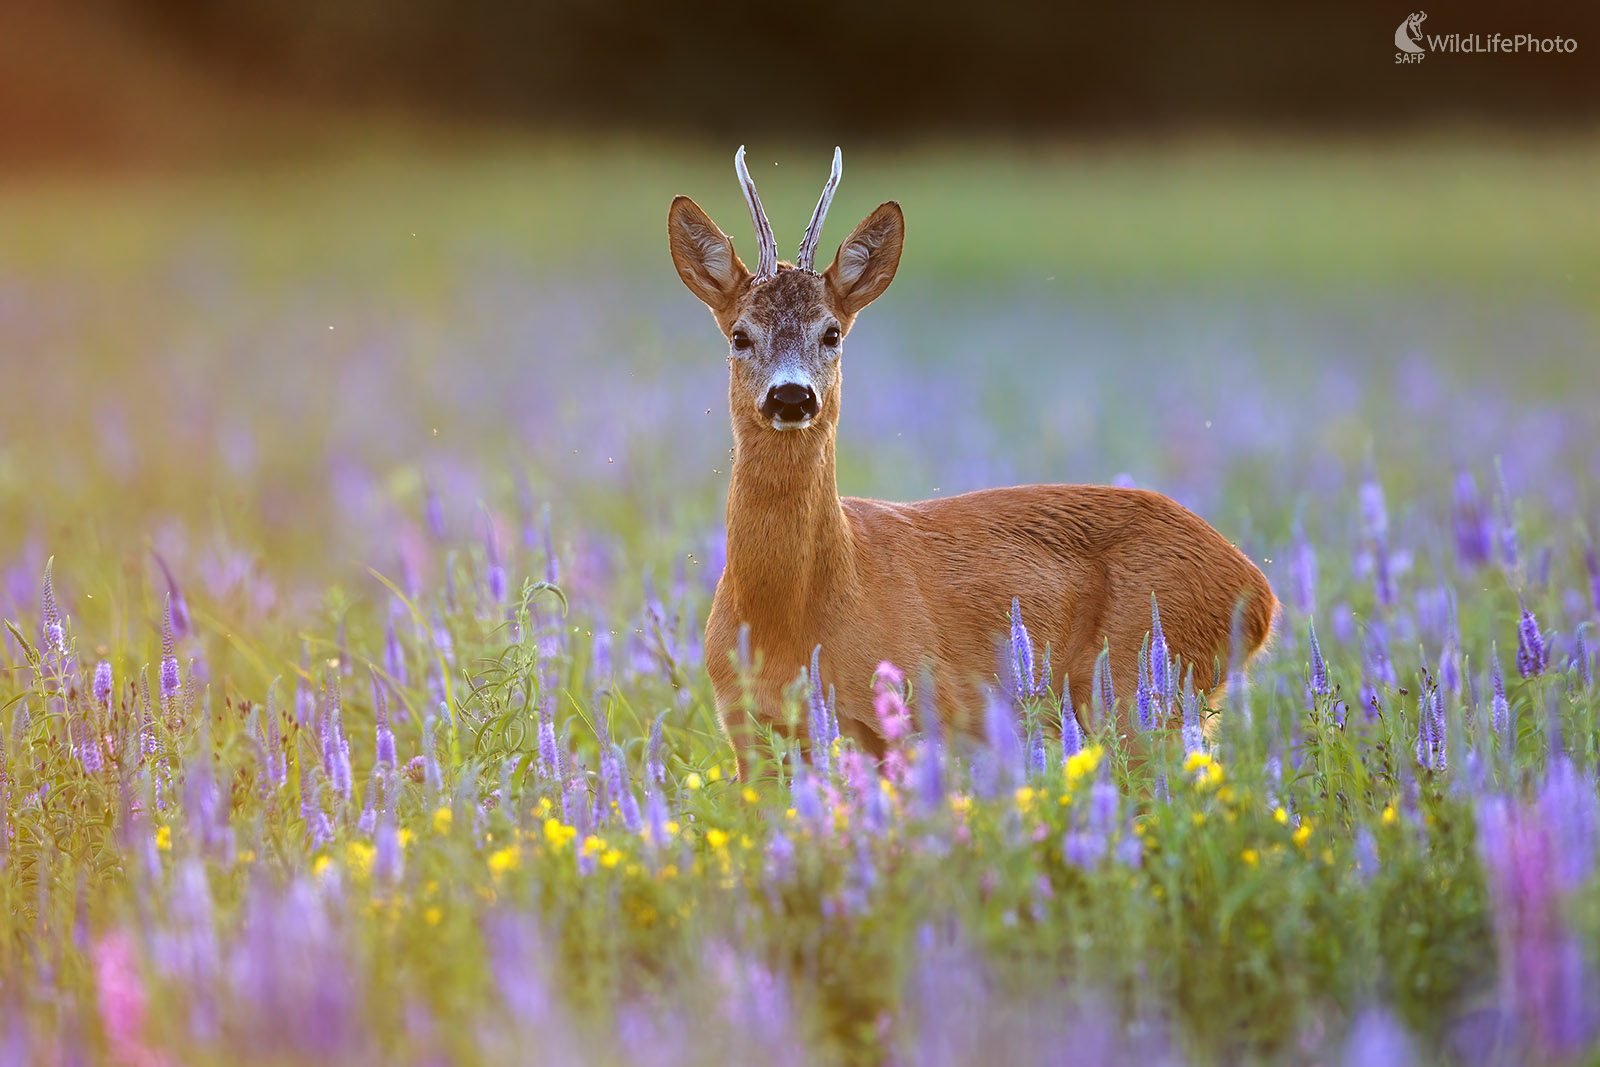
{"x":928,"y":583}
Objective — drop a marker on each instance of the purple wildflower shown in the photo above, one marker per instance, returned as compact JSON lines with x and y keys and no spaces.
{"x":1591,"y":562}
{"x":495,"y":570}
{"x":179,"y":607}
{"x":1378,"y":1039}
{"x":656,"y":817}
{"x":1532,"y":654}
{"x":1143,"y":700}
{"x":1319,"y":668}
{"x":803,"y":795}
{"x":1071,"y":732}
{"x":654,"y":769}
{"x":1160,"y":657}
{"x":1506,"y":522}
{"x":433,"y":512}
{"x":1437,"y":729}
{"x":601,"y":670}
{"x":821,"y":733}
{"x":1547,"y":984}
{"x":1036,"y":753}
{"x":277,"y":764}
{"x":1473,"y":529}
{"x":169,"y":661}
{"x":549,"y":752}
{"x":1499,"y":707}
{"x":1303,"y":570}
{"x":1450,"y":665}
{"x":385,"y":747}
{"x":55,"y":634}
{"x":1021,"y":658}
{"x":388,"y":861}
{"x":1580,"y":659}
{"x":1194,"y":737}
{"x":1104,"y":693}
{"x":394,"y":654}
{"x":552,"y":565}
{"x":1000,"y":729}
{"x":1375,"y":525}
{"x":627,"y":803}
{"x":101,"y":690}
{"x":89,"y":748}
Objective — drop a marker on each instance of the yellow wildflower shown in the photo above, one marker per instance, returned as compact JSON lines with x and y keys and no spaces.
{"x":433,"y":915}
{"x":442,"y":820}
{"x":1280,"y":815}
{"x":593,"y":844}
{"x":1024,"y":798}
{"x":405,"y":837}
{"x":611,"y":857}
{"x":321,"y":865}
{"x":1302,"y":832}
{"x":1250,"y":856}
{"x":693,"y":781}
{"x":164,"y":838}
{"x":558,"y":833}
{"x":505,"y":859}
{"x":358,"y":854}
{"x":1389,"y":815}
{"x":672,"y":827}
{"x":247,"y":856}
{"x":959,"y":804}
{"x":717,"y":839}
{"x":543,"y":808}
{"x":1207,"y":771}
{"x":1082,"y":763}
{"x":715,"y":773}
{"x":750,"y":796}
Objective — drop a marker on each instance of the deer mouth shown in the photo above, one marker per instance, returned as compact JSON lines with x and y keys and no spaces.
{"x":792,"y":424}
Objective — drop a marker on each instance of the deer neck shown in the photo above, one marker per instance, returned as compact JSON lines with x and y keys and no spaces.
{"x":789,"y":546}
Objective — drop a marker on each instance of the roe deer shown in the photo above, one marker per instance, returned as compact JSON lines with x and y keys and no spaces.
{"x":928,"y":584}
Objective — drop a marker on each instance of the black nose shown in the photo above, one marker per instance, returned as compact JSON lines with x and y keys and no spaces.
{"x":790,"y":402}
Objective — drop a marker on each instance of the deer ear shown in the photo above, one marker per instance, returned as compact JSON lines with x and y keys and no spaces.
{"x":865,"y":264}
{"x":704,"y":256}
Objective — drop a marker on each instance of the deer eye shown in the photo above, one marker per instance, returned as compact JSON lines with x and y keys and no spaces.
{"x":741,"y":340}
{"x":830,"y":337}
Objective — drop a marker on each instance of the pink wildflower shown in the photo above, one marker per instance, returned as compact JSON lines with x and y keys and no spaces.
{"x":894,"y":719}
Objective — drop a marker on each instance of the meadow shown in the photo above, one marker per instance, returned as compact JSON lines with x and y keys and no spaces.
{"x":359,"y":519}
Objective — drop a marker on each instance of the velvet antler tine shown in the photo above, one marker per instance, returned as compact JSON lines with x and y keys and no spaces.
{"x":767,"y":261}
{"x":813,"y":237}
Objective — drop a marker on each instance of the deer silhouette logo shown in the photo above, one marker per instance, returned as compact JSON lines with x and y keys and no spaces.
{"x":1410,"y":32}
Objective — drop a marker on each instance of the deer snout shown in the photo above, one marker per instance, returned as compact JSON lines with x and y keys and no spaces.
{"x":790,"y":402}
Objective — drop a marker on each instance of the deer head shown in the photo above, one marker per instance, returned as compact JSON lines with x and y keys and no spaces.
{"x":785,"y":323}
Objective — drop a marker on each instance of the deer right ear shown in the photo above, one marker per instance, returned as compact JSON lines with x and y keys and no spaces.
{"x":866,"y":262}
{"x":704,"y":256}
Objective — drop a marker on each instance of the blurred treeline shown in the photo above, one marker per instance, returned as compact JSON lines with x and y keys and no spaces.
{"x":129,"y":75}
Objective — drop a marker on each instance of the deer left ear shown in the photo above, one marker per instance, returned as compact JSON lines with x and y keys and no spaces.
{"x":865,"y":264}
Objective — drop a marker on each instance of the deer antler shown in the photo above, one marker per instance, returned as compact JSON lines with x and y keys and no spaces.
{"x":808,"y":244}
{"x":767,"y":263}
